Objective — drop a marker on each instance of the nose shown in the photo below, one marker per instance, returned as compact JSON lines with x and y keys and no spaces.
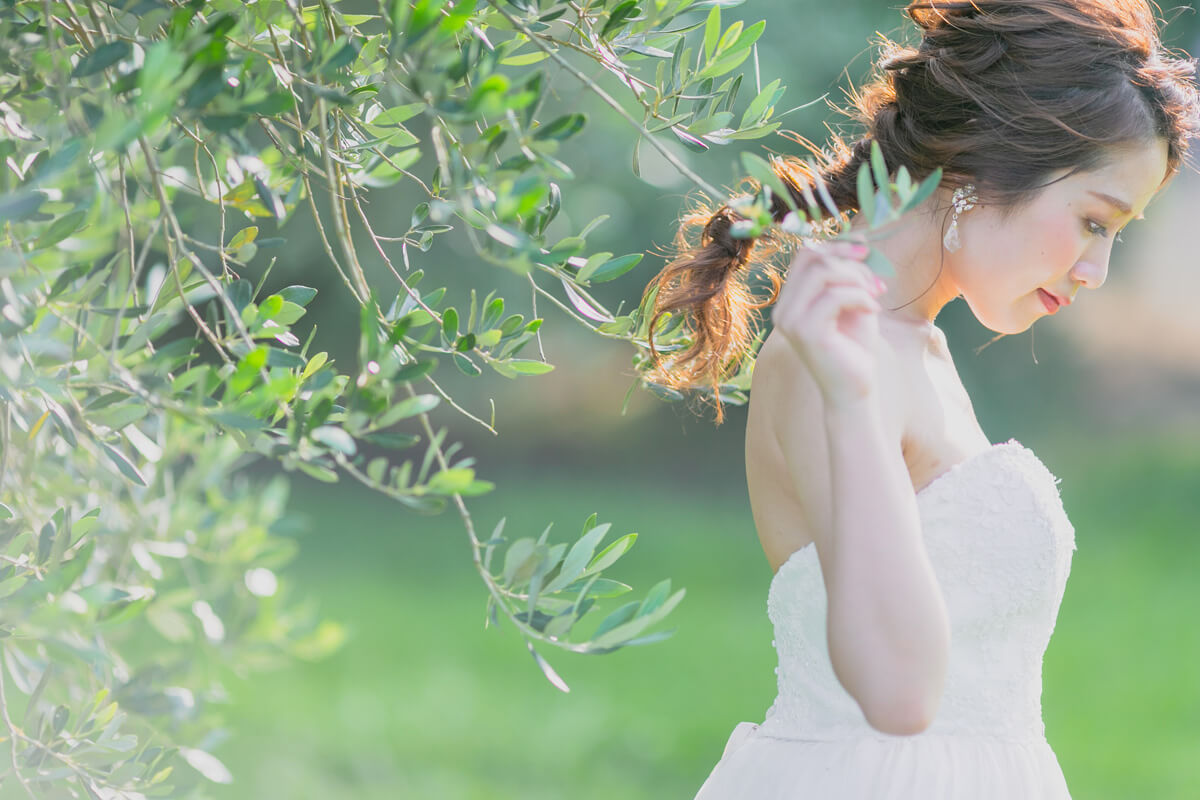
{"x":1090,"y":273}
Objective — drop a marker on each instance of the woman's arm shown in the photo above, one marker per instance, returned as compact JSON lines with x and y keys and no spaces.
{"x":888,"y":630}
{"x":887,"y":626}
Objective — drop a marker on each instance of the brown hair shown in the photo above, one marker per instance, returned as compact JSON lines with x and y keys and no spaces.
{"x":997,"y":93}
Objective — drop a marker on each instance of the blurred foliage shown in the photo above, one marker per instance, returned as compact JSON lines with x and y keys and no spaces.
{"x":419,"y":706}
{"x":143,"y":372}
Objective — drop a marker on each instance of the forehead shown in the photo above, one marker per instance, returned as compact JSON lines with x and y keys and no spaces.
{"x":1131,"y":174}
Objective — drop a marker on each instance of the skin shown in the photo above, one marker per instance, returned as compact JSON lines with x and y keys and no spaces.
{"x":856,"y":406}
{"x":1061,"y":241}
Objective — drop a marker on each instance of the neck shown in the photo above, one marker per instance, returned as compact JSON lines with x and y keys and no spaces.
{"x":922,"y":285}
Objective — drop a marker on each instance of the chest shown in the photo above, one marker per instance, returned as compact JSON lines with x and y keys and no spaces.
{"x":940,"y":427}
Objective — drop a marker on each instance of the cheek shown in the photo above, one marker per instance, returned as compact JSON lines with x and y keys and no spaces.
{"x":1051,"y":242}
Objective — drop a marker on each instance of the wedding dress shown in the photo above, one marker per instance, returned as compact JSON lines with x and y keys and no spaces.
{"x":1001,"y":547}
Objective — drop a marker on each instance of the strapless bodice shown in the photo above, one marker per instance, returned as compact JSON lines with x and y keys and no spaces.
{"x":1001,"y":548}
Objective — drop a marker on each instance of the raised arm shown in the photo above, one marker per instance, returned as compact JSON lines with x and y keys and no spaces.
{"x":888,"y":630}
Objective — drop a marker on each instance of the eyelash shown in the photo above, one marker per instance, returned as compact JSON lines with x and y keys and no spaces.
{"x":1092,"y":227}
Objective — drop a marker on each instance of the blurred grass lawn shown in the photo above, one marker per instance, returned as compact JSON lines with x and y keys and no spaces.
{"x":423,"y":703}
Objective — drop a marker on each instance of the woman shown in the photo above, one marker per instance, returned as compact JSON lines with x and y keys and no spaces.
{"x":919,"y":568}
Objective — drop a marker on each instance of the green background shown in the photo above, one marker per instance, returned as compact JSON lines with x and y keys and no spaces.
{"x":422,"y":702}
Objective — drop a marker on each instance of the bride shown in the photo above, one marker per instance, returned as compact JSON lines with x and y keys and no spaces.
{"x":919,"y":568}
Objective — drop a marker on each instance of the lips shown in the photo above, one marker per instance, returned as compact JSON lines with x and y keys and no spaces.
{"x":1051,"y":302}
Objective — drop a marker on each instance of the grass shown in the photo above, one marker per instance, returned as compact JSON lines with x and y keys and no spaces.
{"x":424,"y":703}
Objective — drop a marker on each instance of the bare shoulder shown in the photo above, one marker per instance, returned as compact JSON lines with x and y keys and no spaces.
{"x":786,"y":493}
{"x":787,"y":457}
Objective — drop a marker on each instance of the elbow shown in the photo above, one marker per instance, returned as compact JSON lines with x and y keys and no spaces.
{"x":906,"y":717}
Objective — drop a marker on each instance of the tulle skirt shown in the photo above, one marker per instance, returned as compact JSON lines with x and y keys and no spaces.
{"x":921,"y":767}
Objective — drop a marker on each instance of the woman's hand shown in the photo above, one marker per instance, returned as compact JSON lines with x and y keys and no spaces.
{"x":827,"y":311}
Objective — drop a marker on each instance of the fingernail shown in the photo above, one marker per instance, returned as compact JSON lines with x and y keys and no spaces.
{"x":860,"y":250}
{"x":879,"y":283}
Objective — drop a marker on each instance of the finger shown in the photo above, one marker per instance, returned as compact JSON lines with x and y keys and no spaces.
{"x":848,"y":266}
{"x":800,"y":289}
{"x":807,"y":288}
{"x":842,"y":296}
{"x":831,"y":304}
{"x":811,"y":319}
{"x":867,"y":276}
{"x":847,"y":249}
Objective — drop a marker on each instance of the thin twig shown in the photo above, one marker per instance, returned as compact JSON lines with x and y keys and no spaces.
{"x":603,"y":95}
{"x":12,"y":736}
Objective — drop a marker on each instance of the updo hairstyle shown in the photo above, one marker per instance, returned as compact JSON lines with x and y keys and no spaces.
{"x":998,"y":93}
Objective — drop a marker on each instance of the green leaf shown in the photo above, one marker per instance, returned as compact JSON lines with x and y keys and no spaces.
{"x":619,"y":16}
{"x":60,"y":229}
{"x":732,"y":56}
{"x":759,"y":106}
{"x":655,"y":597}
{"x":314,"y":364}
{"x":759,"y":169}
{"x":245,"y":236}
{"x":289,"y":313}
{"x":240,"y":293}
{"x":375,"y":469}
{"x":410,"y":407}
{"x":318,"y":471}
{"x":283,"y":358}
{"x":599,"y":587}
{"x":616,"y":618}
{"x":397,"y":115}
{"x":547,"y":670}
{"x":101,"y":58}
{"x":123,"y":464}
{"x":393,"y":441}
{"x":336,"y":438}
{"x":564,"y":127}
{"x":206,"y":764}
{"x":465,"y":365}
{"x":880,"y":263}
{"x":270,"y":307}
{"x":609,"y":555}
{"x":242,"y":422}
{"x":924,"y":190}
{"x":712,"y":31}
{"x":525,"y":59}
{"x":626,"y":631}
{"x":527,"y":367}
{"x":272,"y":105}
{"x":451,"y":481}
{"x":578,"y":557}
{"x":517,"y":561}
{"x":609,"y":270}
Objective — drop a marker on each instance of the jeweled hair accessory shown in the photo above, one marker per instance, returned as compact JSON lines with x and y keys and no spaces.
{"x":964,"y":199}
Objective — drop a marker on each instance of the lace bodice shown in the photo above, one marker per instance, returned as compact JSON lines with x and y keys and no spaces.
{"x":1001,"y":547}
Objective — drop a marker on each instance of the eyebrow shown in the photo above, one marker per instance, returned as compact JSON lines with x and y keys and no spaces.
{"x":1120,"y":205}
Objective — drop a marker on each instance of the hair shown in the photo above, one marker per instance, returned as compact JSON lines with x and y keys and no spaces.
{"x":998,"y":93}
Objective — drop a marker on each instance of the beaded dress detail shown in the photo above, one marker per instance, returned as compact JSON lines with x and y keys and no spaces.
{"x":1001,"y":547}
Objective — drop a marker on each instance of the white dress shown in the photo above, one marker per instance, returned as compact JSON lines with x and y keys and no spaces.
{"x":1001,"y":548}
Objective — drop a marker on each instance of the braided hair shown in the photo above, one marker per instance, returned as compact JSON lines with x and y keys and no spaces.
{"x":998,"y":93}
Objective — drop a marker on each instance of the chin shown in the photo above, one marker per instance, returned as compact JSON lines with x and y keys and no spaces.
{"x":1009,"y":327}
{"x":998,"y":321}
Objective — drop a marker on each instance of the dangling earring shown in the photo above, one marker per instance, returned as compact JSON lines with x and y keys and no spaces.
{"x":964,"y":199}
